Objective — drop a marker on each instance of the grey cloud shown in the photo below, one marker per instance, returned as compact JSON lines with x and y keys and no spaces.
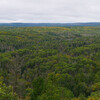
{"x":52,"y":11}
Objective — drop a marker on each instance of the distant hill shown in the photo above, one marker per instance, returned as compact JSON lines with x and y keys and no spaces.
{"x":50,"y":24}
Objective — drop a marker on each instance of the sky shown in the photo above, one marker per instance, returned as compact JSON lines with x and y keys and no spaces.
{"x":49,"y":11}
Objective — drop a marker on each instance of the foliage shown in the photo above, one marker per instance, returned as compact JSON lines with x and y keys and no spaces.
{"x":50,"y":63}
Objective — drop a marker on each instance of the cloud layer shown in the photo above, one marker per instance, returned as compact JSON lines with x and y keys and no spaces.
{"x":49,"y":11}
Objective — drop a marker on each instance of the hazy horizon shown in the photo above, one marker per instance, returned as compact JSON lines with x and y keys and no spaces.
{"x":47,"y":22}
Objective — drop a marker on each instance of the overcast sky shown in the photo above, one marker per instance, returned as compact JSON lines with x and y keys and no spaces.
{"x":49,"y":11}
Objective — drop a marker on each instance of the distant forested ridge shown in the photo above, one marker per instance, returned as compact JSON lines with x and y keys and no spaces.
{"x":50,"y":24}
{"x":49,"y":63}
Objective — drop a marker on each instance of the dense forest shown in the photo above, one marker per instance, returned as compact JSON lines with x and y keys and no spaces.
{"x":50,"y":63}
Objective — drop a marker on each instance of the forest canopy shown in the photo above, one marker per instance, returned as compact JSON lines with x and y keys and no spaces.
{"x":50,"y":63}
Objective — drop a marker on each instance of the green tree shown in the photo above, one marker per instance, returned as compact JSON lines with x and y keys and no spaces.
{"x":6,"y":92}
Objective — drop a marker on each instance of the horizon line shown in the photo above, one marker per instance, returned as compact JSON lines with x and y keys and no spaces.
{"x":46,"y":22}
